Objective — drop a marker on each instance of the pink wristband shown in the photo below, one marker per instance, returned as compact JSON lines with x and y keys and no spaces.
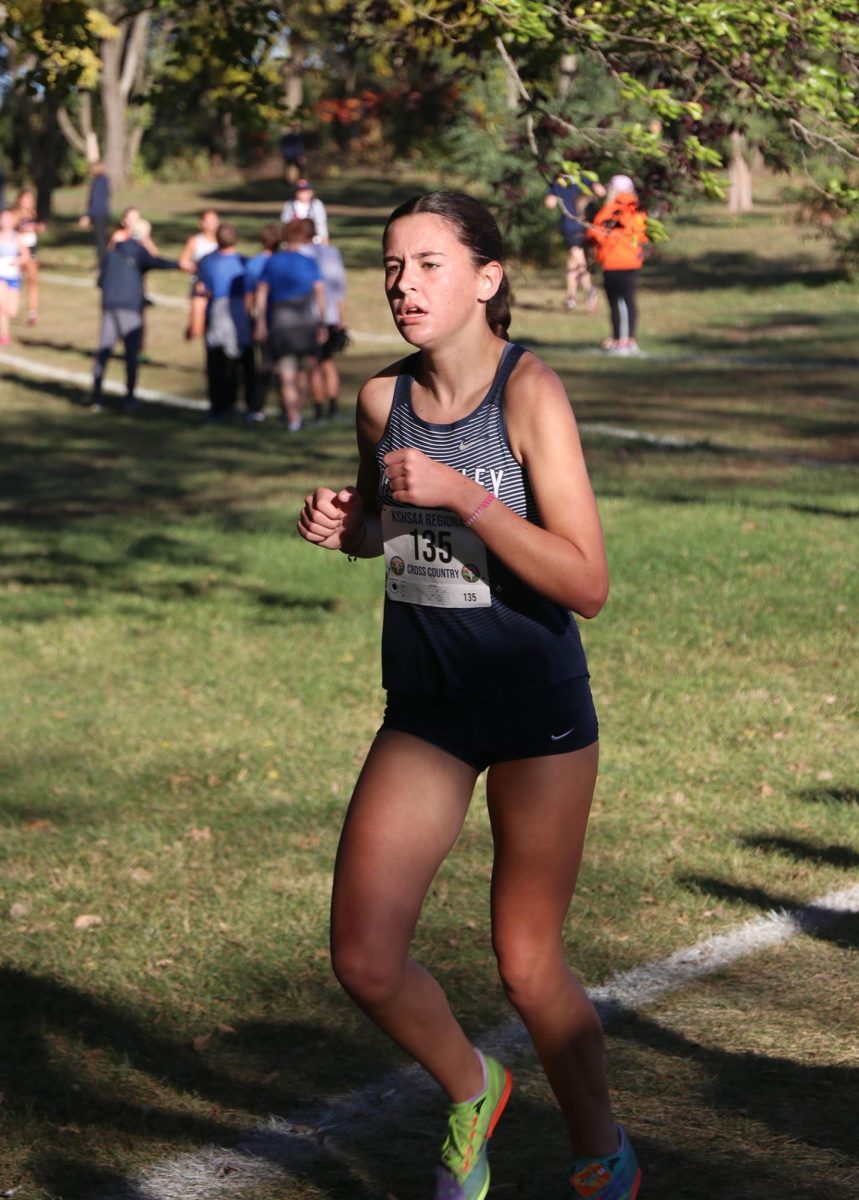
{"x":480,"y":510}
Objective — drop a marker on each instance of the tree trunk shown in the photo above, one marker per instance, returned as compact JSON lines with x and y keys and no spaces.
{"x":740,"y":175}
{"x":229,"y":138}
{"x":49,"y":154}
{"x":120,"y":64}
{"x":293,"y":83}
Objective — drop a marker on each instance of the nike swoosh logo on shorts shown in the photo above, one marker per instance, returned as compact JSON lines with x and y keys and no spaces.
{"x":559,"y":737}
{"x":468,"y":445}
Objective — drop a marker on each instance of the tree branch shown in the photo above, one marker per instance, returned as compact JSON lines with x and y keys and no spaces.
{"x":67,"y":127}
{"x":513,"y":72}
{"x":134,"y":46}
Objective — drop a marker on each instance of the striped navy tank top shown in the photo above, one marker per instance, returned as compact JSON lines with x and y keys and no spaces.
{"x":519,"y":639}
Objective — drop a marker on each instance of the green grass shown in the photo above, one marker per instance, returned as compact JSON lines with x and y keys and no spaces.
{"x":189,"y":690}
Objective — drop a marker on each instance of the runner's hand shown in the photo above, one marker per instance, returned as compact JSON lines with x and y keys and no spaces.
{"x":413,"y":478}
{"x":331,"y":519}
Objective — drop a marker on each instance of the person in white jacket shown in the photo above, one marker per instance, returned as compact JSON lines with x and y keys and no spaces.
{"x":306,"y":206}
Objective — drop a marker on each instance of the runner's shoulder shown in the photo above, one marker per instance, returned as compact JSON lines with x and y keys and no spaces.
{"x":533,"y":379}
{"x":377,"y":394}
{"x":535,"y":399}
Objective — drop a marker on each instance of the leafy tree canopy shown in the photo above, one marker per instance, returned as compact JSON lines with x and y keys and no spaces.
{"x":686,"y":72}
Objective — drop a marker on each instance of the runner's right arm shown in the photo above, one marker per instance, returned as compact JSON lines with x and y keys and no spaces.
{"x":349,"y":520}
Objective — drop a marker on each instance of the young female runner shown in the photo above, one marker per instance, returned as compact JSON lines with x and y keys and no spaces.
{"x":14,"y":258}
{"x":29,"y":228}
{"x":473,"y":485}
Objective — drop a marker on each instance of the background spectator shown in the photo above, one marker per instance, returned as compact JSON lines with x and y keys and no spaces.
{"x":290,"y":299}
{"x":304,"y":206}
{"x":229,"y":345}
{"x":97,"y":215}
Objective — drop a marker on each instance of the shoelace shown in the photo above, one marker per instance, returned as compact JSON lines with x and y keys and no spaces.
{"x":460,"y":1123}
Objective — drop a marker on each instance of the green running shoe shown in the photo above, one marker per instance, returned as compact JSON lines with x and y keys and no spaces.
{"x":464,"y":1170}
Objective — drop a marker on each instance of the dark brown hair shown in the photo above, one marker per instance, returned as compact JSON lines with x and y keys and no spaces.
{"x":293,"y":232}
{"x":476,"y":229}
{"x":227,"y":235}
{"x":270,"y":236}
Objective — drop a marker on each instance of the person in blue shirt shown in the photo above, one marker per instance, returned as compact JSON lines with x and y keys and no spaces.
{"x":290,"y":307}
{"x":270,"y":238}
{"x":566,"y":194}
{"x":229,"y":345}
{"x":325,"y":378}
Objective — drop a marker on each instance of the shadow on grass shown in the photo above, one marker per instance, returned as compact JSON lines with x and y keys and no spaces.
{"x":111,"y":462}
{"x":800,"y":851}
{"x":54,"y":574}
{"x":808,"y":1104}
{"x":828,"y":925}
{"x":824,"y":795}
{"x":718,"y":269}
{"x":378,"y":192}
{"x":54,"y":1035}
{"x":33,"y":343}
{"x":65,"y":1066}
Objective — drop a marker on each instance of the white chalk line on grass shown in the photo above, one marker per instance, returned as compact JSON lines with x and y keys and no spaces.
{"x":272,"y":1150}
{"x":46,"y":371}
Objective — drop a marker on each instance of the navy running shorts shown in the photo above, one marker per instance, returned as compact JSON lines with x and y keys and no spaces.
{"x":532,"y":724}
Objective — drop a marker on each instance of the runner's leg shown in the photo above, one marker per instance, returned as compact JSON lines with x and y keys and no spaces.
{"x":406,"y":813}
{"x":539,"y":811}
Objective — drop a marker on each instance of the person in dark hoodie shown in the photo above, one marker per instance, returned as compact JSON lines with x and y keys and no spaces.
{"x":122,"y":300}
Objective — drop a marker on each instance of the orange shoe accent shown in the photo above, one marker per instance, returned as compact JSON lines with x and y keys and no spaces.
{"x":591,"y":1180}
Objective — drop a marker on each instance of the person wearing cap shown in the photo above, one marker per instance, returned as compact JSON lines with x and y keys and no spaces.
{"x":619,"y":234}
{"x":306,"y":206}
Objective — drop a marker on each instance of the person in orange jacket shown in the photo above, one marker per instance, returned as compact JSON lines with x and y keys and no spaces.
{"x":619,"y":234}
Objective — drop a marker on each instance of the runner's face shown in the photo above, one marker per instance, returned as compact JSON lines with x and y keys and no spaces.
{"x":433,"y":287}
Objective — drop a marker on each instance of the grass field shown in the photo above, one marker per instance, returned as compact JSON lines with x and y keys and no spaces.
{"x":189,"y":690}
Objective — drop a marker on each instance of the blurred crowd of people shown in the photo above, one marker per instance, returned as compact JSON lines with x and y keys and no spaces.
{"x":277,"y":316}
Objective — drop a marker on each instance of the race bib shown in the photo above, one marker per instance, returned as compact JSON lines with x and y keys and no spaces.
{"x":432,"y":559}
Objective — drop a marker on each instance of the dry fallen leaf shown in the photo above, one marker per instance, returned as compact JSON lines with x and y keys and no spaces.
{"x":87,"y":921}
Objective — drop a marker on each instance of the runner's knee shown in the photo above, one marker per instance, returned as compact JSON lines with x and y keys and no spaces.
{"x":365,"y":968}
{"x":527,"y":968}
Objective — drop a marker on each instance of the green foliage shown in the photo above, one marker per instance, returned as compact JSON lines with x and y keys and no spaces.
{"x":686,"y":72}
